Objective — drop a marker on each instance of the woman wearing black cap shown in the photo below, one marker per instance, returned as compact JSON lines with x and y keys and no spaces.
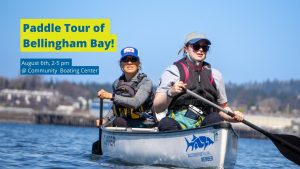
{"x":132,"y":93}
{"x":191,"y":72}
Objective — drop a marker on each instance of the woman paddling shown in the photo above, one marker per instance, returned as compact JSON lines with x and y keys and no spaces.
{"x":132,"y":93}
{"x":193,"y":73}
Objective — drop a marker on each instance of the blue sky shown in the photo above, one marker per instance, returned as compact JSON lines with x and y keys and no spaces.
{"x":251,"y":40}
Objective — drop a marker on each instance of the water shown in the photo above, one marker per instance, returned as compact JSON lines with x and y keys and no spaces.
{"x":48,"y":146}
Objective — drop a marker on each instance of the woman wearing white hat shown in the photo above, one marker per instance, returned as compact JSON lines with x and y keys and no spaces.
{"x":193,"y":73}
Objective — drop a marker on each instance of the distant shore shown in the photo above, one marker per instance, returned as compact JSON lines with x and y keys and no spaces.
{"x":85,"y":119}
{"x":82,"y":119}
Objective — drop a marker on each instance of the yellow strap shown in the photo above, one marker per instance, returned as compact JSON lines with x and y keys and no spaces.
{"x":135,"y":116}
{"x":142,"y":108}
{"x":114,"y":110}
{"x":197,"y":124}
{"x":173,"y":115}
{"x":126,"y":112}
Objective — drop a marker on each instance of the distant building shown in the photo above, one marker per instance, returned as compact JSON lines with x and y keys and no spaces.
{"x":95,"y":107}
{"x":296,"y":125}
{"x":65,"y":109}
{"x":30,"y":98}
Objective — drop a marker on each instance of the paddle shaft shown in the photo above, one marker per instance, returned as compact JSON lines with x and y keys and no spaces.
{"x":271,"y":136}
{"x":100,"y":125}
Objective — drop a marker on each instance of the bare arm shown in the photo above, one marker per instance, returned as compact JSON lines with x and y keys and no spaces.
{"x":222,"y":99}
{"x":162,"y":101}
{"x":238,"y":115}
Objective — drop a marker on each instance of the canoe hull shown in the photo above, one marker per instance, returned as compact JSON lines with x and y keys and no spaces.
{"x":212,"y":146}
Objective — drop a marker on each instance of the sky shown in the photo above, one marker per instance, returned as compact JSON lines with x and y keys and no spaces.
{"x":252,"y":40}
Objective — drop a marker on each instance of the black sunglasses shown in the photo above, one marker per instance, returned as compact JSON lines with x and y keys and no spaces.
{"x":129,"y":59}
{"x":197,"y":46}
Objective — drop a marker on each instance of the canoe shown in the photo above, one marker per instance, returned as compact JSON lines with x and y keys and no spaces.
{"x":213,"y":146}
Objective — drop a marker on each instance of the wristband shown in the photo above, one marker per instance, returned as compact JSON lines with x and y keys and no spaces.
{"x":113,"y":97}
{"x":169,"y":94}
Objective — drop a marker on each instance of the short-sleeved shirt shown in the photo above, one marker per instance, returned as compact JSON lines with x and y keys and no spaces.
{"x":171,"y":74}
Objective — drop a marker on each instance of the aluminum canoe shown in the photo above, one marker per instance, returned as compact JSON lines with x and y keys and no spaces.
{"x":213,"y":146}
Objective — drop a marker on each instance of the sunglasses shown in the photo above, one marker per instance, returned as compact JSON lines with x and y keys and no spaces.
{"x":129,"y":59}
{"x":197,"y":46}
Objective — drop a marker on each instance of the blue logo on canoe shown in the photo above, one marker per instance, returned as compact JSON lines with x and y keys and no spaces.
{"x":198,"y":142}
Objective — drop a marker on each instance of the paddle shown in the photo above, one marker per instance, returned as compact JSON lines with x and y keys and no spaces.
{"x":96,"y":148}
{"x":288,"y":145}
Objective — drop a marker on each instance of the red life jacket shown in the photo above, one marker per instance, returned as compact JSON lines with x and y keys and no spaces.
{"x":199,"y":79}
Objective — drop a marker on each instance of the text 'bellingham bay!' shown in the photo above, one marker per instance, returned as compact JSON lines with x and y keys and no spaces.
{"x":63,"y":43}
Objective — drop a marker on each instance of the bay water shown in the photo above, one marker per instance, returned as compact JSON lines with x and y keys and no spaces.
{"x":52,"y":146}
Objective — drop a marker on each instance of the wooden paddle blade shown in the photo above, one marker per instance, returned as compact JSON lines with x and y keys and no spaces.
{"x":291,"y":150}
{"x":96,"y":149}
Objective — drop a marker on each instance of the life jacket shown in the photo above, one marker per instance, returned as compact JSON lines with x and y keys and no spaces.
{"x":129,"y":89}
{"x":199,"y":79}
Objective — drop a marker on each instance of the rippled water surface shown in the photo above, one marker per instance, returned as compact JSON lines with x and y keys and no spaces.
{"x":48,"y":146}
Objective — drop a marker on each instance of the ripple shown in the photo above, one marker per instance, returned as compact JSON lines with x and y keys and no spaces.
{"x":48,"y":146}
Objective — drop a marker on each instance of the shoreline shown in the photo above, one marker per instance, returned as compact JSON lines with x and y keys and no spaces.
{"x":78,"y":119}
{"x":84,"y":120}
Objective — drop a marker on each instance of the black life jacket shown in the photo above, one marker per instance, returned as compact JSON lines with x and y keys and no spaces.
{"x":129,"y":89}
{"x":199,"y":79}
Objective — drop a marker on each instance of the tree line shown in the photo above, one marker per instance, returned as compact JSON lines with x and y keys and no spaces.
{"x":268,"y":97}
